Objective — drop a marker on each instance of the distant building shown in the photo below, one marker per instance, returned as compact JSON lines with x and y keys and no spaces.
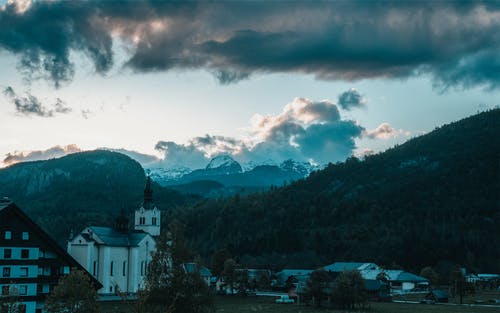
{"x":338,"y":267}
{"x":31,"y":262}
{"x":118,"y":257}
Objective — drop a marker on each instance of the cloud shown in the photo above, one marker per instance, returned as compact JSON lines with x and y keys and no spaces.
{"x":54,"y":152}
{"x":385,"y":131}
{"x":305,"y":130}
{"x":456,"y":43}
{"x":145,"y":160}
{"x":31,"y":105}
{"x":60,"y":151}
{"x":351,"y":99}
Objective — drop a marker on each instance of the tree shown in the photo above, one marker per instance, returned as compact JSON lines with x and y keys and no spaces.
{"x":229,"y":273}
{"x":430,"y":274}
{"x":170,"y":287}
{"x":74,"y":293}
{"x":349,"y":290}
{"x":9,"y":300}
{"x":316,"y":285}
{"x":218,"y":260}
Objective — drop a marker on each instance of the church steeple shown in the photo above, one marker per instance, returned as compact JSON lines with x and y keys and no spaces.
{"x":148,"y":192}
{"x":147,"y":217}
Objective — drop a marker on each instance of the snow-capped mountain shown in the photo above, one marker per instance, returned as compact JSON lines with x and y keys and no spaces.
{"x":224,"y":176}
{"x":223,"y":164}
{"x":165,"y":176}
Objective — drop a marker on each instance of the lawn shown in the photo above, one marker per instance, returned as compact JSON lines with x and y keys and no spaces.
{"x":267,"y":305}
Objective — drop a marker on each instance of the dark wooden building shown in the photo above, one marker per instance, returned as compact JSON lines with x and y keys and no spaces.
{"x":31,"y":262}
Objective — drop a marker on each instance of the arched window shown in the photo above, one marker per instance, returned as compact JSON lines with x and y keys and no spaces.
{"x":111,"y":268}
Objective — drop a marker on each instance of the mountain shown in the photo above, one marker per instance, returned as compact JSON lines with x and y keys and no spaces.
{"x":433,"y":200}
{"x":80,"y":189}
{"x":224,"y":176}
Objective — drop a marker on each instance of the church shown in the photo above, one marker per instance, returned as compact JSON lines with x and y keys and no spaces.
{"x":117,"y":256}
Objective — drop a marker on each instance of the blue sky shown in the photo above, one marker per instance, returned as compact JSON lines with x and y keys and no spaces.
{"x":152,"y":85}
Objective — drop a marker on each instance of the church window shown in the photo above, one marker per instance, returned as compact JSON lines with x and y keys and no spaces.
{"x":124,"y":269}
{"x":111,"y":268}
{"x":153,"y":221}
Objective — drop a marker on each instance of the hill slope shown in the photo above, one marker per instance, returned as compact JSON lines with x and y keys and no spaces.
{"x":80,"y":189}
{"x":431,"y":201}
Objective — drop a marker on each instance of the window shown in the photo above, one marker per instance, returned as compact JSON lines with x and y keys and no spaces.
{"x":8,"y":235}
{"x":95,"y":268}
{"x":142,"y":268}
{"x":6,"y":272}
{"x":5,"y":290}
{"x":110,"y":288}
{"x":25,"y":254}
{"x":111,"y":268}
{"x":23,"y":272}
{"x":124,"y":269}
{"x":153,"y":221}
{"x":23,"y":290}
{"x":7,"y":253}
{"x":142,"y":220}
{"x":26,"y":235}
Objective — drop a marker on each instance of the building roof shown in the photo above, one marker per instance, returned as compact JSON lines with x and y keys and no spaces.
{"x":393,"y":275}
{"x":193,"y":267}
{"x":112,"y":237}
{"x":7,"y":206}
{"x":350,"y":266}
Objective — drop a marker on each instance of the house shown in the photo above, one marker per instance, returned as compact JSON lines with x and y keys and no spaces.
{"x":399,"y":281}
{"x":287,"y":277}
{"x":440,"y":296}
{"x":204,"y":272}
{"x":339,"y":267}
{"x":31,"y":262}
{"x":117,"y":256}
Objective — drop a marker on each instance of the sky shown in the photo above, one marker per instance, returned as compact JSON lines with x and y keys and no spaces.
{"x":261,"y":81}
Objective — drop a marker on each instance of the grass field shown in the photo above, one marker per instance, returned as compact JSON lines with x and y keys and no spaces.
{"x":267,"y":305}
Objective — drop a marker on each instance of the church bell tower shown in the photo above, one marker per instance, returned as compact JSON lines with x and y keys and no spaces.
{"x":147,"y":217}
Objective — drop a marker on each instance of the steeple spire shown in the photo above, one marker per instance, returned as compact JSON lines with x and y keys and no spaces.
{"x":148,"y":192}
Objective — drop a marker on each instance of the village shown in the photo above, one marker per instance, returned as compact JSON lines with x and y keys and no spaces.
{"x":116,"y":260}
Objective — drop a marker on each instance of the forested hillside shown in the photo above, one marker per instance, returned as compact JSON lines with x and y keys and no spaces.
{"x":431,"y":201}
{"x":81,"y":189}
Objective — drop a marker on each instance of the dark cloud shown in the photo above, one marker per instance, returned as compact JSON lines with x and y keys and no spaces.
{"x":457,"y":43}
{"x":351,"y":99}
{"x":31,"y":105}
{"x":54,"y":152}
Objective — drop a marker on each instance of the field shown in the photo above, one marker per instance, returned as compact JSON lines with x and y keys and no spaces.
{"x":266,"y":305}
